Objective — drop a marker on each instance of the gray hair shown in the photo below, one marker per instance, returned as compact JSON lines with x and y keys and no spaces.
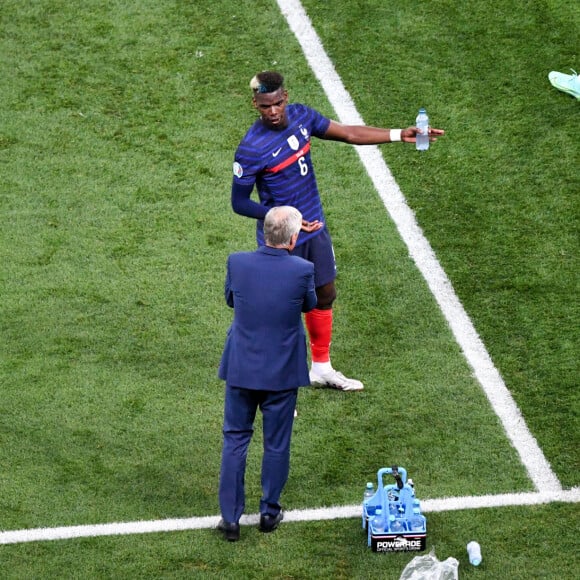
{"x":280,"y":224}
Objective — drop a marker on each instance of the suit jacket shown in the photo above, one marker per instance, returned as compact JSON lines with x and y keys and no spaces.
{"x":265,"y":346}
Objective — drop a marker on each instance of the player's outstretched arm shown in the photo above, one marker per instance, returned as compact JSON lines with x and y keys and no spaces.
{"x":363,"y":135}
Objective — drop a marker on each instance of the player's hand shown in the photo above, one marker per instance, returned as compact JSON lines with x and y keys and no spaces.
{"x":409,"y":135}
{"x":311,"y":226}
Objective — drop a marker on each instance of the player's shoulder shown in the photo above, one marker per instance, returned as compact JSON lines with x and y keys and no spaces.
{"x":300,"y":109}
{"x":254,"y":130}
{"x":252,"y":146}
{"x":301,"y":114}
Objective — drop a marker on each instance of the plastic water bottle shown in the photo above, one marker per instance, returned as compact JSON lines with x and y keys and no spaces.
{"x":393,"y":509}
{"x":417,"y":523}
{"x":369,"y":491}
{"x":396,"y":525}
{"x":474,"y":552}
{"x":422,"y":123}
{"x":379,"y":522}
{"x":367,"y":495}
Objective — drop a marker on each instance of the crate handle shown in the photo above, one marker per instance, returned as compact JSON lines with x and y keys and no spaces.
{"x":399,"y":473}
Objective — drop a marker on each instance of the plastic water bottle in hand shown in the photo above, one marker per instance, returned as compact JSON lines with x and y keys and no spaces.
{"x":474,"y":552}
{"x":422,"y":123}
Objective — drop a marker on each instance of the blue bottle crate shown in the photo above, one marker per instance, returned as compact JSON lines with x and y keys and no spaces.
{"x":396,"y":499}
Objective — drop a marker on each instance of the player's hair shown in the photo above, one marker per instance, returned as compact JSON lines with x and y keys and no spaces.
{"x":280,"y":224}
{"x":267,"y":82}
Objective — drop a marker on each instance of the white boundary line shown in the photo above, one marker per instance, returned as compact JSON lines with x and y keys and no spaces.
{"x":531,"y":455}
{"x":327,"y":513}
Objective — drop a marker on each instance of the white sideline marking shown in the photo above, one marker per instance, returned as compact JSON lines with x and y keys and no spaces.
{"x":307,"y":515}
{"x":420,"y":250}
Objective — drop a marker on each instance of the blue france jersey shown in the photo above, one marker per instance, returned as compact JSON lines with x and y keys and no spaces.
{"x":278,"y":163}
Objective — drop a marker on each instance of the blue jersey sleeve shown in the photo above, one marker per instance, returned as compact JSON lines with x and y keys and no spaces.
{"x":243,"y":205}
{"x":320,"y":123}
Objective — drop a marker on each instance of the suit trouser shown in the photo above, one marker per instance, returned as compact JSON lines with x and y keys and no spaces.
{"x":239,"y":414}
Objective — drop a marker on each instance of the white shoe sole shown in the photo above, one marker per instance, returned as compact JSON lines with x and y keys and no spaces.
{"x":329,"y":385}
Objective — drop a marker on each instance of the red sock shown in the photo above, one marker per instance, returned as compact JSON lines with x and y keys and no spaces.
{"x":319,"y":324}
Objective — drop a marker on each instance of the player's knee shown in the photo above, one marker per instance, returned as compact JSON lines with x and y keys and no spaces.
{"x":326,"y":296}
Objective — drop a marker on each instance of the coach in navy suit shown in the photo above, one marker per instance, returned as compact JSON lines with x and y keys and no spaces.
{"x":263,"y":363}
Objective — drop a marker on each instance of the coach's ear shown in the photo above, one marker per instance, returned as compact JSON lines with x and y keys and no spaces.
{"x":293,"y":241}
